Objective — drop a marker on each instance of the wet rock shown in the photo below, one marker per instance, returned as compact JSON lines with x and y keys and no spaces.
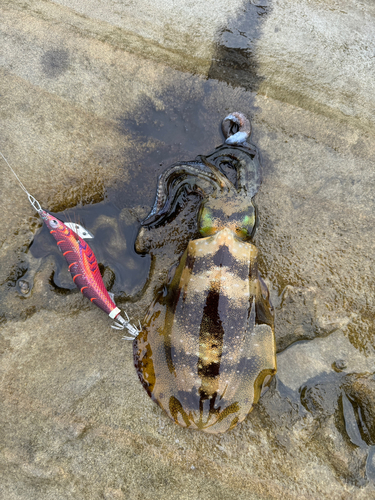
{"x":24,"y":286}
{"x":347,"y":460}
{"x":320,"y":396}
{"x":336,"y":434}
{"x":360,"y":389}
{"x":109,"y":278}
{"x":339,"y":365}
{"x":303,"y":315}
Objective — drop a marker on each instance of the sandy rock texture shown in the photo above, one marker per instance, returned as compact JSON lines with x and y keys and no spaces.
{"x":96,"y":100}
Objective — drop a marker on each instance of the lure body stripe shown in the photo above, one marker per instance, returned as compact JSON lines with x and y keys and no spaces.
{"x":83,"y":265}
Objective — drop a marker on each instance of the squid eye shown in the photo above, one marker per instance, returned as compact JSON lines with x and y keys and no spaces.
{"x":53,"y":223}
{"x":247,"y":226}
{"x":248,"y":221}
{"x":206,"y":226}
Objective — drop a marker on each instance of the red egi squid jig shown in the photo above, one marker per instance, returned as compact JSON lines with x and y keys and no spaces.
{"x":82,"y":262}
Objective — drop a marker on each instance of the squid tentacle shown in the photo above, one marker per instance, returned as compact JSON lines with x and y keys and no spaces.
{"x":245,"y":160}
{"x":207,"y":174}
{"x":179,"y":176}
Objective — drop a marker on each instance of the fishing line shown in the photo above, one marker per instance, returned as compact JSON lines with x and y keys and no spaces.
{"x":34,"y":202}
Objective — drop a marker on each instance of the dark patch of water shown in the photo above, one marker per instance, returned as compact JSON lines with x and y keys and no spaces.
{"x":179,"y":122}
{"x":113,"y":245}
{"x":235,"y":60}
{"x":178,"y":127}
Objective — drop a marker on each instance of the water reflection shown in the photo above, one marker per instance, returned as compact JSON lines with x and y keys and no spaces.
{"x":124,"y":271}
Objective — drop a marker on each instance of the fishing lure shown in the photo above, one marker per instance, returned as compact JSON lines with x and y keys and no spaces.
{"x":82,"y":262}
{"x":207,"y":352}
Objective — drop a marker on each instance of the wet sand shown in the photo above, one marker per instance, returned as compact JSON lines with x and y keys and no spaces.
{"x":95,"y":102}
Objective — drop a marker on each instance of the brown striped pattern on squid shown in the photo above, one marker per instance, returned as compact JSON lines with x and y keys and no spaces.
{"x":207,"y":346}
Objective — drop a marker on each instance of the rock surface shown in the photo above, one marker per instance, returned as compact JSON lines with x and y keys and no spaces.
{"x":96,"y":99}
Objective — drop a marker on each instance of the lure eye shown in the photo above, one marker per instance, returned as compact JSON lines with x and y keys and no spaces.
{"x":53,"y":223}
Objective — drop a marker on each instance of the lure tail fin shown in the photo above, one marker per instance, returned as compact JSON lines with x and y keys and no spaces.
{"x":120,"y":323}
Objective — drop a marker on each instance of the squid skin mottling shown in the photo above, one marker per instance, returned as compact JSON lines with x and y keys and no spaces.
{"x":207,"y":345}
{"x":207,"y":348}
